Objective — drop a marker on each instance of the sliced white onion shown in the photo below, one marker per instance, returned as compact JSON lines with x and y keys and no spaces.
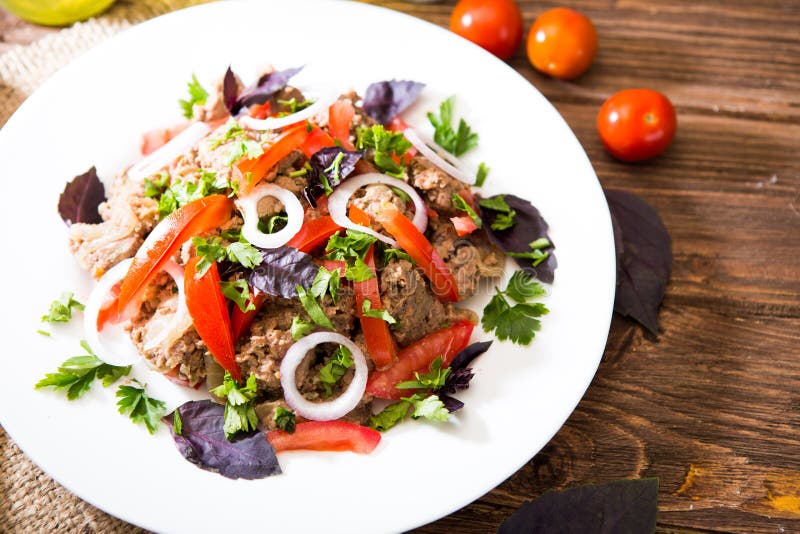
{"x":116,"y":346}
{"x":272,"y":123}
{"x":170,"y":151}
{"x":337,"y":203}
{"x":322,"y":411}
{"x":424,"y":146}
{"x":164,"y":335}
{"x":248,"y":205}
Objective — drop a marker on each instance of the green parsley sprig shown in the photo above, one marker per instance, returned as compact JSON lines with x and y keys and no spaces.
{"x":536,"y":255}
{"x":505,"y":214}
{"x":172,"y":196}
{"x":420,"y":405}
{"x":140,"y":407}
{"x":212,"y":250}
{"x":197,"y":95}
{"x":454,"y":141}
{"x":239,"y":292}
{"x":326,"y":282}
{"x":368,"y":311}
{"x":335,"y":368}
{"x":312,"y":307}
{"x":519,"y":322}
{"x":386,"y":147}
{"x":61,"y":309}
{"x":240,"y":414}
{"x":76,"y":374}
{"x":284,"y":419}
{"x":300,"y":328}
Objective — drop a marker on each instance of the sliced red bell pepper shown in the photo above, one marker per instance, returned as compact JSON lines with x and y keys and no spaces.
{"x":326,"y":436}
{"x":167,"y":238}
{"x":209,"y":311}
{"x":464,"y":225}
{"x":446,"y":342}
{"x":340,"y":118}
{"x":316,"y":141}
{"x":251,"y":171}
{"x":261,"y":111}
{"x":241,"y":321}
{"x":381,"y":347}
{"x":421,"y":251}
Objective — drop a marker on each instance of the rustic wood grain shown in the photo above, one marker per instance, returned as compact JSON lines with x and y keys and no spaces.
{"x":712,"y":405}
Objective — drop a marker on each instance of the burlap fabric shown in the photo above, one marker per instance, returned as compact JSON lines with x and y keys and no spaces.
{"x":30,"y":501}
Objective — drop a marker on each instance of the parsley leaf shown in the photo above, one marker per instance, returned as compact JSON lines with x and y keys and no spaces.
{"x":367,"y":311}
{"x":386,"y":147}
{"x":300,"y":328}
{"x":197,"y":95}
{"x":326,"y":282}
{"x":433,"y":379}
{"x":239,"y":292}
{"x":284,"y":419}
{"x":240,"y":413}
{"x":395,"y":253}
{"x":390,"y":416}
{"x":536,"y":254}
{"x":460,"y":204}
{"x":180,"y":193}
{"x":141,"y":408}
{"x":430,"y":407}
{"x":275,"y":223}
{"x":359,"y":271}
{"x":244,"y":253}
{"x":61,"y":309}
{"x":520,"y":322}
{"x":243,"y":148}
{"x":295,"y":106}
{"x":353,"y":244}
{"x":211,"y":250}
{"x":483,"y":173}
{"x":335,"y":368}
{"x":505,"y":217}
{"x":177,"y":422}
{"x":156,"y":188}
{"x":77,"y":374}
{"x":313,"y":308}
{"x":454,"y":141}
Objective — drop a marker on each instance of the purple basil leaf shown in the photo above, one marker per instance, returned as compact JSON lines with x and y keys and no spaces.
{"x":229,"y":89}
{"x":529,"y":225}
{"x":323,"y":159}
{"x":385,"y":100}
{"x":465,"y":357}
{"x":266,"y":86}
{"x":629,"y":506}
{"x":202,"y":442}
{"x":80,"y":199}
{"x":644,"y":258}
{"x":281,"y":270}
{"x":451,"y":403}
{"x":457,"y":380}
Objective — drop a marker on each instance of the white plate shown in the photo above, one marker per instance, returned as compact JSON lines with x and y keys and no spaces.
{"x":93,"y":111}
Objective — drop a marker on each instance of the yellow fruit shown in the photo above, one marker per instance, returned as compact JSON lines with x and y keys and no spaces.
{"x":55,"y":12}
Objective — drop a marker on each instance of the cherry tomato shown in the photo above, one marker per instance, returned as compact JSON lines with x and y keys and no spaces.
{"x":636,"y":124}
{"x":495,"y":25}
{"x":562,"y":43}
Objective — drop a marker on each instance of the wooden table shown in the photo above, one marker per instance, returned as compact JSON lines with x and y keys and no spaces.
{"x":712,"y":405}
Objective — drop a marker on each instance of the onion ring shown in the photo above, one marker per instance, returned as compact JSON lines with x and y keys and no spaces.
{"x":181,"y":320}
{"x":330,"y":410}
{"x":172,"y":149}
{"x":437,"y":159}
{"x":273,"y":123}
{"x":248,"y":205}
{"x":337,"y":203}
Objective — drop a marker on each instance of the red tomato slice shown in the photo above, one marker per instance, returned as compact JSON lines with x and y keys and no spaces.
{"x":209,"y":312}
{"x":261,"y":111}
{"x":317,"y":140}
{"x":340,"y":118}
{"x":380,"y":343}
{"x":422,"y":252}
{"x":326,"y":436}
{"x":446,"y":342}
{"x":251,"y":171}
{"x":464,"y":225}
{"x":167,"y":238}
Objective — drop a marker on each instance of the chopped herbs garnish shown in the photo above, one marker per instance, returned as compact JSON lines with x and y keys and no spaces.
{"x":397,"y":254}
{"x":61,"y":309}
{"x":520,"y":322}
{"x":284,"y":419}
{"x":244,"y":254}
{"x":177,"y":422}
{"x":313,"y":308}
{"x":179,"y":193}
{"x":197,"y":95}
{"x":332,"y":172}
{"x":359,"y":271}
{"x":386,"y":146}
{"x":428,"y":407}
{"x":434,"y":379}
{"x":300,"y":328}
{"x":383,"y":315}
{"x":243,"y":148}
{"x":535,"y":255}
{"x":335,"y":368}
{"x":353,"y":244}
{"x":240,"y":414}
{"x":141,"y":408}
{"x":211,"y":250}
{"x":155,"y":188}
{"x":460,"y":204}
{"x":43,"y":333}
{"x":326,"y":282}
{"x":483,"y":173}
{"x":390,"y":416}
{"x":295,"y":106}
{"x":454,"y":141}
{"x":273,"y":224}
{"x":77,"y":374}
{"x":239,"y":292}
{"x":505,"y":216}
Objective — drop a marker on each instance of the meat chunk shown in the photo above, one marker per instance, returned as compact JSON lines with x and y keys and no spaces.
{"x":437,"y":187}
{"x":128,"y":216}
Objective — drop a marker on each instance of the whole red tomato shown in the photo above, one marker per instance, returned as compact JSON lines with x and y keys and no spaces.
{"x":562,"y":43}
{"x":636,"y":124}
{"x":495,"y":25}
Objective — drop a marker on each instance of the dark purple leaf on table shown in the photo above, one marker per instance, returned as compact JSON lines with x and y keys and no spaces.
{"x":230,"y":89}
{"x":282,"y":270}
{"x":327,"y":165}
{"x":202,"y":441}
{"x":385,"y":100}
{"x":79,"y":201}
{"x":629,"y":506}
{"x":528,"y":226}
{"x":267,"y":85}
{"x":644,"y":258}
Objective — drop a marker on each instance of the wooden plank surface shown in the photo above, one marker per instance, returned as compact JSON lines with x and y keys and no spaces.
{"x":712,"y":405}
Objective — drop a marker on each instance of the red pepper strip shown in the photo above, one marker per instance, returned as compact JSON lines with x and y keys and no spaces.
{"x":261,"y":111}
{"x":242,"y":321}
{"x":251,"y":171}
{"x":209,"y":311}
{"x":326,"y":436}
{"x":464,"y":225}
{"x":317,"y":140}
{"x":167,"y":238}
{"x":380,"y":344}
{"x":340,"y":118}
{"x":418,"y":357}
{"x":421,"y":251}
